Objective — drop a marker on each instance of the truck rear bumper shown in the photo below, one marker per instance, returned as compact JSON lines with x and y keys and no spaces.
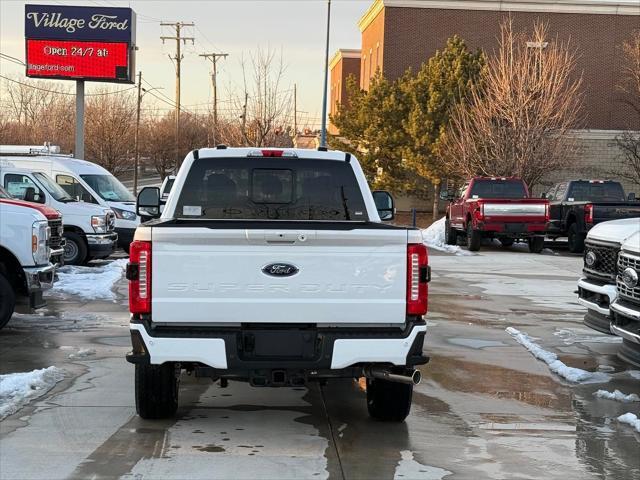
{"x":513,"y":229}
{"x":257,"y":347}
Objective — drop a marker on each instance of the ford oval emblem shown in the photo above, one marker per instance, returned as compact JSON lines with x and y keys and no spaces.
{"x":630,"y":277}
{"x":280,"y":270}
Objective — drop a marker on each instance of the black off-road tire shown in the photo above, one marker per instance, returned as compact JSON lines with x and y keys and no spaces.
{"x":7,"y":301}
{"x":388,"y":401}
{"x":450,"y":234}
{"x":506,"y":242}
{"x":474,"y":238}
{"x":575,"y":239}
{"x":75,"y":251}
{"x":156,"y":391}
{"x":536,"y":244}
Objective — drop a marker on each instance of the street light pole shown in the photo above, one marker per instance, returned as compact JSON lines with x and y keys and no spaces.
{"x":323,"y":131}
{"x":137,"y":142}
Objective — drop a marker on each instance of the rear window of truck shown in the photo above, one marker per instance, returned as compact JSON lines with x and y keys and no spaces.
{"x":498,"y":189}
{"x":271,"y":189}
{"x":596,"y":192}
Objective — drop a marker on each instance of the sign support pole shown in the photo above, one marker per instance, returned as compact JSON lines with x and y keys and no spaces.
{"x":79,"y":149}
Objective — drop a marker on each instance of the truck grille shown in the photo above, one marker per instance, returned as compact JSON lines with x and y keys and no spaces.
{"x":111,"y":221}
{"x":628,"y":261}
{"x":55,"y":240}
{"x":606,"y":259}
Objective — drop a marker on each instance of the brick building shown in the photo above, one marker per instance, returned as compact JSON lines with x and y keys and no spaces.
{"x":345,"y":62}
{"x":398,"y":34}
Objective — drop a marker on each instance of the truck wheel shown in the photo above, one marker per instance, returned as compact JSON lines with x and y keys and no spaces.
{"x":536,"y":244}
{"x":450,"y":234}
{"x":75,"y":250}
{"x":7,"y":301}
{"x":576,"y":239}
{"x":388,"y":401}
{"x":506,"y":242}
{"x":156,"y":390}
{"x":474,"y":238}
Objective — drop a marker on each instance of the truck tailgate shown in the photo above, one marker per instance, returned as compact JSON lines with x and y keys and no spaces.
{"x":531,"y":210}
{"x":344,"y":276}
{"x":603,"y":212}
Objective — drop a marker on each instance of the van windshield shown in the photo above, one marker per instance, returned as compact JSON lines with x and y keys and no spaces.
{"x":109,"y":188}
{"x":53,"y":188}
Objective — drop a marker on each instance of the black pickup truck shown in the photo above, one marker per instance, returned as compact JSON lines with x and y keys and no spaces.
{"x":577,"y":205}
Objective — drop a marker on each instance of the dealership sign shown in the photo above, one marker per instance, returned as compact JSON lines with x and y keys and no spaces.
{"x":80,"y":43}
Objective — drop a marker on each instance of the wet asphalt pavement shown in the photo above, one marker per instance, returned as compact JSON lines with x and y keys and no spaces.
{"x":486,"y":407}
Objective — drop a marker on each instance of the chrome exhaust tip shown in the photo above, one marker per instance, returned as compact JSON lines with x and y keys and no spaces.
{"x":412,"y":377}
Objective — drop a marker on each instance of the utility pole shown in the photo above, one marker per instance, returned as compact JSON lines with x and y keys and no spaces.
{"x":78,"y":152}
{"x":295,"y":110}
{"x":177,"y":26}
{"x":214,"y":59}
{"x":323,"y":130}
{"x":137,"y":142}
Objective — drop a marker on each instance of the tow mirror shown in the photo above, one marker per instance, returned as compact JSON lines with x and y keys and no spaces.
{"x":148,"y":204}
{"x":631,"y":197}
{"x":447,"y":196}
{"x":384,"y":205}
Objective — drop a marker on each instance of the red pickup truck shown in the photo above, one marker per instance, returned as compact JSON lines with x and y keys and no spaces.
{"x":490,"y":207}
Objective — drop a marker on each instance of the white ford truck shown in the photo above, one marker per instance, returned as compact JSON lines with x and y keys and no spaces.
{"x":273,"y":267}
{"x":626,"y":309}
{"x":597,"y":287}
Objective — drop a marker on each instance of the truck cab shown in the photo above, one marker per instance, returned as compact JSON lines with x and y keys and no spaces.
{"x":576,"y":206}
{"x":29,"y":239}
{"x":273,"y":267}
{"x":495,"y":207}
{"x":88,"y":228}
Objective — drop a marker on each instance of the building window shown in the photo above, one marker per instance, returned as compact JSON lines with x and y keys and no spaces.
{"x":370,"y":61}
{"x":378,"y":57}
{"x":365,"y":84}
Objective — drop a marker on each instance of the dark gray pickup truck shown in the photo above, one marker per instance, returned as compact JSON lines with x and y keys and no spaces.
{"x":577,"y":205}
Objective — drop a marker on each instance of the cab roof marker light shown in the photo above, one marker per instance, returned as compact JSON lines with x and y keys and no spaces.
{"x":272,"y":153}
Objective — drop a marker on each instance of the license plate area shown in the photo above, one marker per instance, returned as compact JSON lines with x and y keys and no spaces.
{"x":271,"y":344}
{"x":515,"y":227}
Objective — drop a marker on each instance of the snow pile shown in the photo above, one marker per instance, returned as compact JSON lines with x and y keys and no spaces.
{"x":634,"y":374}
{"x":90,"y":282}
{"x":618,"y":396}
{"x":433,"y":237}
{"x":82,"y":353}
{"x":630,"y":419}
{"x":551,"y":359}
{"x":18,"y":389}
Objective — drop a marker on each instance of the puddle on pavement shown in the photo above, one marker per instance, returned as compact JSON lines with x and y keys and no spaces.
{"x":470,"y":377}
{"x":209,"y":448}
{"x":475,"y":342}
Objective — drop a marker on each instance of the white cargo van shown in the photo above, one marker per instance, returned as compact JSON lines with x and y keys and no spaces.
{"x":82,"y":180}
{"x":88,"y":228}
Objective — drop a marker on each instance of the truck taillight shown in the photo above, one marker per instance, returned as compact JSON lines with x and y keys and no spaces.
{"x":588,"y":213}
{"x":418,"y":275}
{"x":139,"y":276}
{"x":479,"y":212}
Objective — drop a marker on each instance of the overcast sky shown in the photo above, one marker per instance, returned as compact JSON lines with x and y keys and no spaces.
{"x":235,"y":27}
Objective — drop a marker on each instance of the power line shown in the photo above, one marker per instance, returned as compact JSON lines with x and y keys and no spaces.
{"x":66,"y":93}
{"x":4,"y":56}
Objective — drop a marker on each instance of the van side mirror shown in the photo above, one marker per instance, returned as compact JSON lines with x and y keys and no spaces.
{"x":384,"y":205}
{"x":148,"y":203}
{"x":631,"y":197}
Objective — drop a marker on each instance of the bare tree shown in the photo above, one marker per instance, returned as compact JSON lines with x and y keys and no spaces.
{"x":264,"y":102}
{"x":516,"y":122}
{"x":109,"y":129}
{"x":629,"y":140}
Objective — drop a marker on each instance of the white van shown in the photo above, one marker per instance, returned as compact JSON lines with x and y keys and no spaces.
{"x":88,"y":228}
{"x":82,"y":180}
